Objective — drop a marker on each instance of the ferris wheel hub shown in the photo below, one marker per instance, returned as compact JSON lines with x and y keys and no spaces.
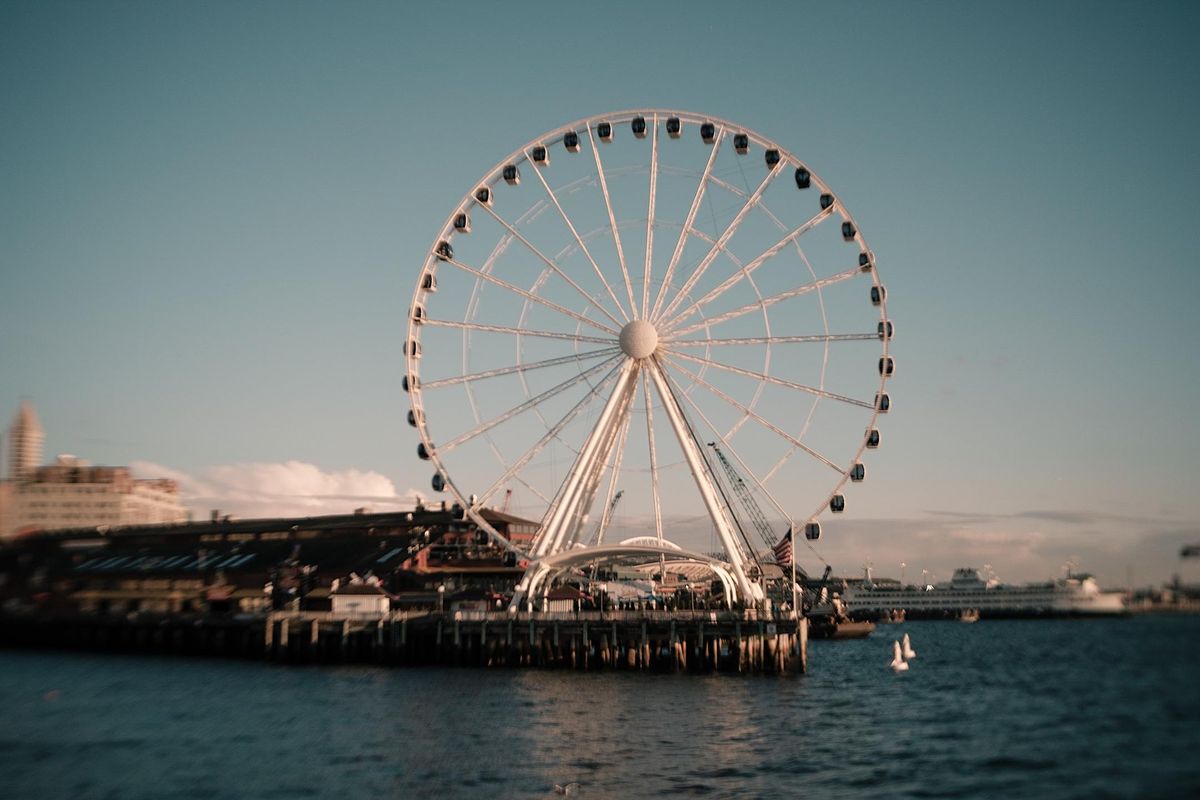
{"x":639,"y":339}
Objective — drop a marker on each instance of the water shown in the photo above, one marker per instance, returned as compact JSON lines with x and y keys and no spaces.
{"x":1054,"y":709}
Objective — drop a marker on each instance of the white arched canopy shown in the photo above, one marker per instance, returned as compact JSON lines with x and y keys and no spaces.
{"x":541,"y":573}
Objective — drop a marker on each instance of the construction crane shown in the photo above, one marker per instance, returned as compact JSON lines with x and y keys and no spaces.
{"x":608,"y":515}
{"x":753,"y":511}
{"x":507,"y":500}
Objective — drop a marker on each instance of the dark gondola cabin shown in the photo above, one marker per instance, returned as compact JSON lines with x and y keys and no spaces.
{"x":571,"y":141}
{"x":512,"y":176}
{"x":741,"y":143}
{"x":878,"y":294}
{"x":803,"y":178}
{"x":605,"y":131}
{"x":772,"y":158}
{"x":638,"y":126}
{"x":438,"y":483}
{"x":885,"y":329}
{"x":483,"y":195}
{"x":415,"y":417}
{"x":887,"y":366}
{"x":412,"y":348}
{"x":408,"y":384}
{"x":540,"y":155}
{"x":864,"y":261}
{"x":444,"y":251}
{"x":429,"y":282}
{"x":848,"y":231}
{"x":837,"y":504}
{"x":674,"y":127}
{"x":812,"y":531}
{"x":422,"y":452}
{"x":418,"y":314}
{"x":708,"y":132}
{"x":858,"y":472}
{"x":883,"y":403}
{"x":462,"y":223}
{"x":872,"y":438}
{"x":826,"y":202}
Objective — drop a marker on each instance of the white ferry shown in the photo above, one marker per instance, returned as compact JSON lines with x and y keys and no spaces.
{"x":966,"y":592}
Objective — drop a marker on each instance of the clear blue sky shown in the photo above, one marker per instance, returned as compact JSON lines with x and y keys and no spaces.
{"x":211,"y":215}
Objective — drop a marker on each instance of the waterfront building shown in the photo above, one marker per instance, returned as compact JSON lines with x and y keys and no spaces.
{"x":227,"y":566}
{"x":71,"y":493}
{"x":359,"y":599}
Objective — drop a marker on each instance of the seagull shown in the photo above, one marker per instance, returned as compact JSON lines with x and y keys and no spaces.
{"x":898,"y":663}
{"x":569,"y":788}
{"x":909,"y":653}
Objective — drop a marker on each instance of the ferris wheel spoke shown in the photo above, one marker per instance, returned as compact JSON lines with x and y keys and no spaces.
{"x":800,"y":387}
{"x":653,"y":458}
{"x":479,"y":326}
{"x":612,"y":220}
{"x":553,"y":266}
{"x":753,"y":264}
{"x":539,"y":493}
{"x":606,"y":516}
{"x":532,"y":365}
{"x":579,"y":241}
{"x":541,"y":443}
{"x":713,"y":251}
{"x":829,"y":337}
{"x":748,"y":412}
{"x":770,"y":300}
{"x":650,"y":220}
{"x":729,"y":448}
{"x":503,"y":284}
{"x":528,"y":404}
{"x":687,"y":225}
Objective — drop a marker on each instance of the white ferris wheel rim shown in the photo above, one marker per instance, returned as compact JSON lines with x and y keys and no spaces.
{"x":610,"y":328}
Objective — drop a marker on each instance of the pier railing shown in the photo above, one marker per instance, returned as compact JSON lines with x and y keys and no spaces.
{"x":503,"y":616}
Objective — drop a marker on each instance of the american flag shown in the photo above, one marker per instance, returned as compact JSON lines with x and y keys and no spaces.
{"x":783,"y":550}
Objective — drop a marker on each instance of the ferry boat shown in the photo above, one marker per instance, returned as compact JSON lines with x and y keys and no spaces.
{"x":1072,"y":595}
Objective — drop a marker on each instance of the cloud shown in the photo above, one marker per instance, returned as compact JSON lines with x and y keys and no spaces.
{"x":1066,"y":516}
{"x":280,"y":489}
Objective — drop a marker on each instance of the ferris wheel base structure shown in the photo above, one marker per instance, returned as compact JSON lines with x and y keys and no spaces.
{"x":563,"y":268}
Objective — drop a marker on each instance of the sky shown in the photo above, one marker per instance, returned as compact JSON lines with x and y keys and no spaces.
{"x":212,"y":216}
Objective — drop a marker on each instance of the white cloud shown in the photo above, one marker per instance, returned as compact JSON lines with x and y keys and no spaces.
{"x":280,"y":489}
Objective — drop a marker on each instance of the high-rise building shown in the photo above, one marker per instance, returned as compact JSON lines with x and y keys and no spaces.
{"x":25,"y":437}
{"x":71,"y":493}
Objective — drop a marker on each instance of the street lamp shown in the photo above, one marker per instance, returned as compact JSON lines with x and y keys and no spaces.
{"x":441,"y":597}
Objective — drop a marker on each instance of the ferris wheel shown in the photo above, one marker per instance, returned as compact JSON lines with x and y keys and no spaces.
{"x":623,"y":300}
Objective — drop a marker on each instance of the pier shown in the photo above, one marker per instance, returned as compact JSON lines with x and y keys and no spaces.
{"x":642,"y":641}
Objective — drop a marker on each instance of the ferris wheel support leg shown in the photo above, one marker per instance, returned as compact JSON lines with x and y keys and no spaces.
{"x":527,"y":588}
{"x":752,"y":592}
{"x":579,"y":487}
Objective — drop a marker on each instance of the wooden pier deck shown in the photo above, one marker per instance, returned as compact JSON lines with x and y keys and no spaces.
{"x":652,"y":641}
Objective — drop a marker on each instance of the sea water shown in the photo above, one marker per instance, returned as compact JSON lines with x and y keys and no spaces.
{"x":1012,"y":709}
